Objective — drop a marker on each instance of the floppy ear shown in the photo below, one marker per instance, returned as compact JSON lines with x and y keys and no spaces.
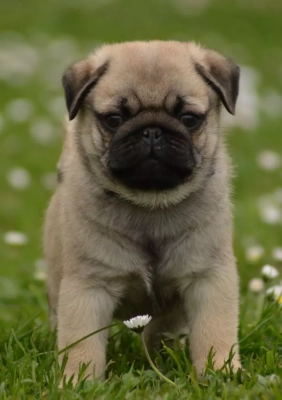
{"x":77,"y":81}
{"x":222,"y":75}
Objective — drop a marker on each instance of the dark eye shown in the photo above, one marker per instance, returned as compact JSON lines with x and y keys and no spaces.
{"x":190,"y":120}
{"x":113,"y":121}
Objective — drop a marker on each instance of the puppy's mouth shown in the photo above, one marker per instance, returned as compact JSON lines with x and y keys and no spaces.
{"x":153,"y":158}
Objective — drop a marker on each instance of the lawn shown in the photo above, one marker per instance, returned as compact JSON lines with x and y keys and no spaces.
{"x":38,"y":40}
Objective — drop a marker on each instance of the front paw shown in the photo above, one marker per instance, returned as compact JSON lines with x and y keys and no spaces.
{"x":218,"y":364}
{"x":227,"y":366}
{"x":73,"y":375}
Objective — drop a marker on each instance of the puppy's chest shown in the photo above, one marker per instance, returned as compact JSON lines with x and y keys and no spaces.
{"x":151,"y":292}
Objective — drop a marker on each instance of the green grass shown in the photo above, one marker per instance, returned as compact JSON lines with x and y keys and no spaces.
{"x":28,"y":358}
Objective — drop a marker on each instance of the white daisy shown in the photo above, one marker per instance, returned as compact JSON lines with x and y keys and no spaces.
{"x":256,"y":285}
{"x":254,"y":253}
{"x":277,"y":253}
{"x":275,"y":292}
{"x":137,"y":324}
{"x":40,"y":275}
{"x":18,"y":178}
{"x":40,"y":270}
{"x":274,"y":379}
{"x":20,"y":110}
{"x":269,"y":272}
{"x":269,"y":160}
{"x":18,"y":60}
{"x":15,"y":238}
{"x":270,"y":214}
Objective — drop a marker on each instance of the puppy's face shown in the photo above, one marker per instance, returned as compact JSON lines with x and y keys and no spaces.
{"x":148,"y":113}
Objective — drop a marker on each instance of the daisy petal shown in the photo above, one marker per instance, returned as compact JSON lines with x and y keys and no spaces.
{"x":138,"y":323}
{"x":269,"y":272}
{"x":256,"y":285}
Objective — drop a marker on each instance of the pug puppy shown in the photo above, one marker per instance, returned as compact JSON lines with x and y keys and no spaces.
{"x":141,"y":220}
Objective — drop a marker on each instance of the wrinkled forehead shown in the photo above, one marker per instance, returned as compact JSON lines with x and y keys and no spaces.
{"x":150,"y":79}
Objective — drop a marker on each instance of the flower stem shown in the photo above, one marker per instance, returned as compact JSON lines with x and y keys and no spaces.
{"x":153,"y":365}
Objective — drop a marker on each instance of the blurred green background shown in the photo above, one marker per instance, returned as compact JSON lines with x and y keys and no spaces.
{"x":39,"y":39}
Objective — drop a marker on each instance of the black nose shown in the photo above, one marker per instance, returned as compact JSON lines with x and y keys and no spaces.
{"x":152,"y":135}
